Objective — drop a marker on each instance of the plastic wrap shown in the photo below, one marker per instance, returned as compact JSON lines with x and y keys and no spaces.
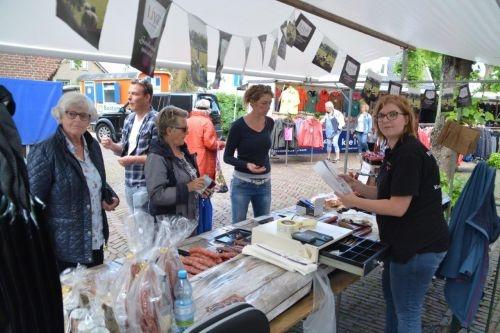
{"x":229,"y":282}
{"x":149,"y":304}
{"x":120,"y":291}
{"x":322,"y":319}
{"x":140,"y":232}
{"x":172,"y":231}
{"x":76,"y":291}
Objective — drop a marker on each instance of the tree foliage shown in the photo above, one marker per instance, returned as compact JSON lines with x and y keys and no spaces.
{"x":226,"y":103}
{"x":418,"y":60}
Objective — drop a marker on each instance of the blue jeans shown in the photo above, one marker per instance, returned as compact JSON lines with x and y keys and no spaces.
{"x":404,"y":287}
{"x":362,"y":142}
{"x":137,"y":197}
{"x":242,"y":193}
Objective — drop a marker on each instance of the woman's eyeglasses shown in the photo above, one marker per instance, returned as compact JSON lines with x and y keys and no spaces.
{"x":184,"y":129}
{"x":390,"y":115}
{"x":83,"y":116}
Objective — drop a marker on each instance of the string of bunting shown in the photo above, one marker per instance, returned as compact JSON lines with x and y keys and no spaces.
{"x":87,"y":20}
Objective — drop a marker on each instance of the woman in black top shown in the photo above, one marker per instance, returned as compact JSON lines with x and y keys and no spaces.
{"x":407,"y":201}
{"x":250,"y":135}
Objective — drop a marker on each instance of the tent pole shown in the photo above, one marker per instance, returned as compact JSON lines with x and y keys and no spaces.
{"x":345,"y":22}
{"x":404,"y":64}
{"x":346,"y":153}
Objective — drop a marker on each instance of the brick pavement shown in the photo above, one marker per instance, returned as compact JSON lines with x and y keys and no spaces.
{"x":362,"y":307}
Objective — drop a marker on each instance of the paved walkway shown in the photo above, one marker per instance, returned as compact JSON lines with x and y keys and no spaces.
{"x":362,"y":308}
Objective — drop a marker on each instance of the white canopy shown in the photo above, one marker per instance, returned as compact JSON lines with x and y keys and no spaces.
{"x":462,"y":28}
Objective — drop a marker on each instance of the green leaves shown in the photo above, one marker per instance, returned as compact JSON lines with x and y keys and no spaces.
{"x":494,"y":160}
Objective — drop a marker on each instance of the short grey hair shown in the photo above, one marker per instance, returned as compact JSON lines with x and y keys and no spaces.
{"x":168,"y":117}
{"x":74,"y":100}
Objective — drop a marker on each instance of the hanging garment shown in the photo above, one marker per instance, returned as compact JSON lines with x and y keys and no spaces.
{"x":324,"y":97}
{"x":278,"y":140}
{"x":337,"y":99}
{"x":473,"y":226}
{"x":290,"y":100}
{"x":311,"y":134}
{"x":484,"y":147}
{"x":303,"y":98}
{"x":298,"y":124}
{"x":30,"y":290}
{"x":312,"y":99}
{"x":459,"y":138}
{"x":277,"y":99}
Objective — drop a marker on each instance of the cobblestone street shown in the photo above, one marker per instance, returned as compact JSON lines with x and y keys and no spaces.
{"x":362,"y":307}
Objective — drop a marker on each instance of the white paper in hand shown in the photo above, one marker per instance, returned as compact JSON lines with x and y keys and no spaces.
{"x":327,"y":171}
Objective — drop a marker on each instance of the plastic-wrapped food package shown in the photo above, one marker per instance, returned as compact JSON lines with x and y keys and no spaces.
{"x":76,"y":291}
{"x":171,"y":232}
{"x":228,"y":283}
{"x":149,"y":304}
{"x":120,"y":291}
{"x":140,"y":232}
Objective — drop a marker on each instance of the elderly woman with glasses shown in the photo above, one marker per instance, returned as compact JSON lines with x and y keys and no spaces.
{"x":66,"y":172}
{"x":172,"y":178}
{"x":407,"y":202}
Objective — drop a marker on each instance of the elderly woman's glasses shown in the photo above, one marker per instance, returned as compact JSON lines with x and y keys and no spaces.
{"x":184,"y":129}
{"x":83,"y":115}
{"x":390,"y":115}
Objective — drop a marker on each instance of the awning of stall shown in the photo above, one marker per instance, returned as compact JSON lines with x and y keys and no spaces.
{"x":460,"y":28}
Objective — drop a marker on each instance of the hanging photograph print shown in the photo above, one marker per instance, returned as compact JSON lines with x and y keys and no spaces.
{"x":291,"y":31}
{"x":447,"y":100}
{"x":198,"y":41}
{"x":326,"y":55}
{"x":464,"y":98}
{"x":414,"y":97}
{"x":274,"y":52}
{"x":282,"y":48}
{"x":305,"y":31}
{"x":151,"y":18}
{"x":224,"y":40}
{"x":429,"y":99}
{"x":394,"y":88}
{"x":247,"y":41}
{"x":371,"y":88}
{"x":350,"y":72}
{"x":282,"y":44}
{"x":84,"y":17}
{"x":262,"y":41}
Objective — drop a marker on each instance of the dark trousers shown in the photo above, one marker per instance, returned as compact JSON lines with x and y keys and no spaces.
{"x":97,"y":259}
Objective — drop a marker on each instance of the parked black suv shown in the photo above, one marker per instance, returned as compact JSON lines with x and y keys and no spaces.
{"x":110,"y":124}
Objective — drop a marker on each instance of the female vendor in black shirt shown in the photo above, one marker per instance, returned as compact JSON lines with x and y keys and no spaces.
{"x":407,"y":201}
{"x":250,"y":135}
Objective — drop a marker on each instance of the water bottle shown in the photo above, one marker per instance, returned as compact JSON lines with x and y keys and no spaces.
{"x":183,"y":305}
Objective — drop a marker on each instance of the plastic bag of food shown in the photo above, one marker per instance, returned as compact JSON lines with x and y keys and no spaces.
{"x":140,"y":231}
{"x":149,"y":303}
{"x":76,"y":287}
{"x":172,"y":230}
{"x":121,"y":288}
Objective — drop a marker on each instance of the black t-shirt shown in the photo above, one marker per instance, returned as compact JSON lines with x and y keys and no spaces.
{"x":252,"y":146}
{"x":409,"y":169}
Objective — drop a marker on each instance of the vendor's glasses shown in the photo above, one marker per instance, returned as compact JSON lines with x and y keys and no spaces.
{"x":390,"y":115}
{"x":83,"y":116}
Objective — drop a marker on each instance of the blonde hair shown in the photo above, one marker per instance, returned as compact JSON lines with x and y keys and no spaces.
{"x":74,"y":100}
{"x":403,"y":105}
{"x":169,"y":117}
